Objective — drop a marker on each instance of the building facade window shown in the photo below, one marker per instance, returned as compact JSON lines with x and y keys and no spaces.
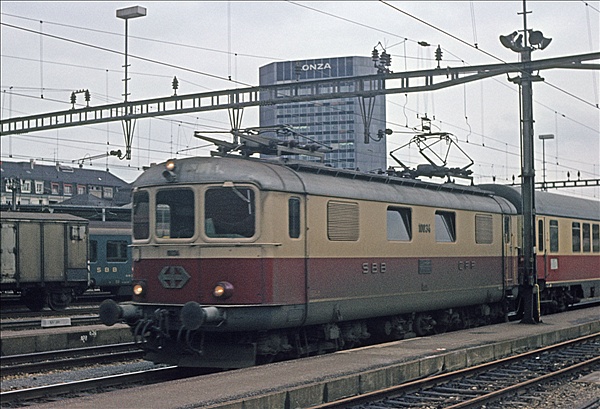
{"x":54,"y":189}
{"x":81,"y":190}
{"x":26,"y":186}
{"x":96,"y":191}
{"x":108,"y":192}
{"x":39,"y":187}
{"x":68,"y":189}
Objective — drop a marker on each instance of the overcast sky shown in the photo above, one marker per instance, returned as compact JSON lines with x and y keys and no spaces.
{"x":206,"y":43}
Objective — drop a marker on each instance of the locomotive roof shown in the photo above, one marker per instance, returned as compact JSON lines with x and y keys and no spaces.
{"x":301,"y":177}
{"x":550,"y":204}
{"x":50,"y":217}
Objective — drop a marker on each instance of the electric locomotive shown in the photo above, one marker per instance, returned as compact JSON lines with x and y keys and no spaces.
{"x":238,"y":261}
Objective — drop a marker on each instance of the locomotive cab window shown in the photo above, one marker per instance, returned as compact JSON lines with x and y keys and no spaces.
{"x":141,"y":215}
{"x":229,"y":212}
{"x":445,"y":227}
{"x":175,"y":213}
{"x":399,"y":224}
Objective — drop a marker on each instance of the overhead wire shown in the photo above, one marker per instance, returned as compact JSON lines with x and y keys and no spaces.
{"x":477,"y":48}
{"x":223,"y":78}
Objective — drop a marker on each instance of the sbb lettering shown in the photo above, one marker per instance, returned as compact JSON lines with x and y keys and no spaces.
{"x":373,"y":268}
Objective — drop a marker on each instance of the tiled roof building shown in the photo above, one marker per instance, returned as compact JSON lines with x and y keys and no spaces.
{"x":28,"y":183}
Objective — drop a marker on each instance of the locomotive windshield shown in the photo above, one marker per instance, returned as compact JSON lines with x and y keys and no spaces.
{"x":229,"y":212}
{"x":175,"y":213}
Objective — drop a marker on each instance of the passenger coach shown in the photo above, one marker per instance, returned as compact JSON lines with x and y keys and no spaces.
{"x":567,"y":246}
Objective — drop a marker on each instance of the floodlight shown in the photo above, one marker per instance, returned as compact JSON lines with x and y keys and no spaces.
{"x":536,"y":38}
{"x":509,"y":41}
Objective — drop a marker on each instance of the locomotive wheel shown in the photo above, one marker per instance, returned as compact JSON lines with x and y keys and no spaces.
{"x":58,"y":301}
{"x":423,"y":325}
{"x":34,"y":299}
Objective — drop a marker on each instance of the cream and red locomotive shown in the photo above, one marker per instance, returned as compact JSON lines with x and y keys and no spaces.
{"x":238,"y":260}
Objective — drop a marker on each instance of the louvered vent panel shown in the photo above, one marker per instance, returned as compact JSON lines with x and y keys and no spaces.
{"x":483,"y":229}
{"x":342,"y":221}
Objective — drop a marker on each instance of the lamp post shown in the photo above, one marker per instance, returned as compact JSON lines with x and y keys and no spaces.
{"x":128,"y":126}
{"x":527,"y":270}
{"x":544,"y":137}
{"x":126,"y":14}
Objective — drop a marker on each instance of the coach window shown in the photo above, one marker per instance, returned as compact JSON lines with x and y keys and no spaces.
{"x":93,"y":251}
{"x":596,"y":238}
{"x":294,"y":217}
{"x":229,"y":212}
{"x":576,"y":234}
{"x":175,"y":213}
{"x":399,"y":224}
{"x":540,"y":236}
{"x":116,"y":250}
{"x":553,"y":236}
{"x":445,"y":227}
{"x":141,"y":215}
{"x":586,"y":242}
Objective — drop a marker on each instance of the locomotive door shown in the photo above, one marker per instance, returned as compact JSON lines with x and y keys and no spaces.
{"x":510,"y":252}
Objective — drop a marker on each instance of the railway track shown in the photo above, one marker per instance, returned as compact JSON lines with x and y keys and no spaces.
{"x":27,"y":396}
{"x":481,"y":385}
{"x":75,"y":358}
{"x":68,"y":358}
{"x":23,"y":396}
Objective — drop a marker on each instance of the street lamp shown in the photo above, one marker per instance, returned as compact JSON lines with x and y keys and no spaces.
{"x":126,"y":14}
{"x":128,"y":126}
{"x":544,"y":137}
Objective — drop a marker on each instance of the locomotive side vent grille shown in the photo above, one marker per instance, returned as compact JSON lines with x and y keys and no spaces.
{"x":342,"y":221}
{"x":484,"y":229}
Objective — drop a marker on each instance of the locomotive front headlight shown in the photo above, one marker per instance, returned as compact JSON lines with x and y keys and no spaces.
{"x":169,"y":172}
{"x":223,"y":290}
{"x":139,"y":289}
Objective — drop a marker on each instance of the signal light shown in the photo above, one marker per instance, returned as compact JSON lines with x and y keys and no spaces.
{"x":169,"y":172}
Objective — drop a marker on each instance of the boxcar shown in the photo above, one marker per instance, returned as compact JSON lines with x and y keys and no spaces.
{"x":44,"y":258}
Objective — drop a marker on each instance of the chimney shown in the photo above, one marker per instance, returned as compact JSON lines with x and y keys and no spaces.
{"x":31,"y":163}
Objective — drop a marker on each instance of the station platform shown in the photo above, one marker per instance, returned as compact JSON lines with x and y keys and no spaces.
{"x":29,"y":341}
{"x":307,"y":382}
